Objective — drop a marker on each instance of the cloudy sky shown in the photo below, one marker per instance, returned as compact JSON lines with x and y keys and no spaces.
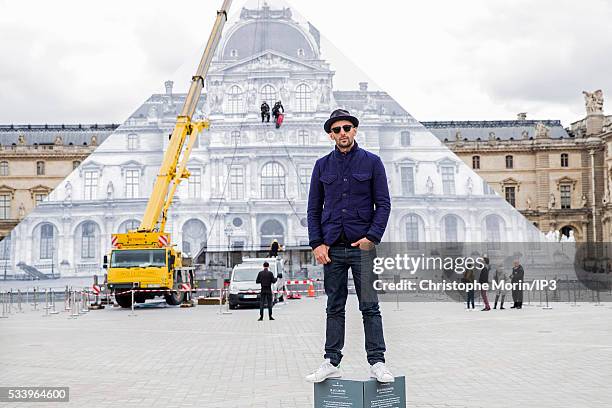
{"x":94,"y":61}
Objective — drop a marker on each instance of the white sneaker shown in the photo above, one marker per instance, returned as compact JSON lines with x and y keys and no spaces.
{"x":381,"y":373}
{"x":325,"y":371}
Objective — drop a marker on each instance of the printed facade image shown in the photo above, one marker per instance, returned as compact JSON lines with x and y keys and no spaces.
{"x":249,"y":179}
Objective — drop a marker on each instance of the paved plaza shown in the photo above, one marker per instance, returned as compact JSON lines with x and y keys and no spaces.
{"x":172,"y":357}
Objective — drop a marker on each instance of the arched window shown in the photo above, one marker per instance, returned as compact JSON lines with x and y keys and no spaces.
{"x":300,"y":52}
{"x":4,"y":168}
{"x":303,"y":98}
{"x":268,"y":94}
{"x":128,"y":225}
{"x":272,"y":181}
{"x":88,"y":240}
{"x":46,"y":241}
{"x":272,"y":230}
{"x":509,"y":162}
{"x":414,"y":231}
{"x":40,"y":168}
{"x":234,"y":100}
{"x":493,"y":231}
{"x":195,"y":239}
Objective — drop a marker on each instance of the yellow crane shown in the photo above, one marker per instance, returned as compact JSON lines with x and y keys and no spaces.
{"x":145,"y":260}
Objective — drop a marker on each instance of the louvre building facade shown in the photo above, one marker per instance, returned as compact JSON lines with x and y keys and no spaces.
{"x":249,"y":181}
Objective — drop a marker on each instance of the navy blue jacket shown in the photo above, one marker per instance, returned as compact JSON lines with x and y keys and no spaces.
{"x":348,"y":192}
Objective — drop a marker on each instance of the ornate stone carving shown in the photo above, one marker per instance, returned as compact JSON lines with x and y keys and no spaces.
{"x":542,"y":131}
{"x":429,"y":186}
{"x":551,"y":201}
{"x":593,"y":101}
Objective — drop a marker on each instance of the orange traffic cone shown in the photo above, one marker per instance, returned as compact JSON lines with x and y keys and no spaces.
{"x":311,"y":290}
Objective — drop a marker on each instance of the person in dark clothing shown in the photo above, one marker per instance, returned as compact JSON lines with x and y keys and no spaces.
{"x":482,"y":279}
{"x":348,"y":211}
{"x":500,"y":277}
{"x":276,"y":110}
{"x":265,"y":278}
{"x":468,"y":278}
{"x":517,"y":276}
{"x":265,"y":112}
{"x":274,"y":248}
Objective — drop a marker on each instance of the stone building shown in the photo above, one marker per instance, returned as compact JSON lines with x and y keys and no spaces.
{"x":249,"y":181}
{"x":558,"y":178}
{"x":34,"y":159}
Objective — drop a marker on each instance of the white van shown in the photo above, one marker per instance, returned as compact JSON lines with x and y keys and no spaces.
{"x":244,"y":291}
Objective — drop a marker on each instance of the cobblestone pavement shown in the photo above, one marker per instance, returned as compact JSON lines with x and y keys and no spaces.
{"x":170,"y":357}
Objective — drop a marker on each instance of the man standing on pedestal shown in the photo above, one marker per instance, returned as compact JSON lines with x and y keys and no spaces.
{"x":348,"y":210}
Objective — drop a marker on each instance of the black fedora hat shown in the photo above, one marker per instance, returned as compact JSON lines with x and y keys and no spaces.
{"x":339,"y":114}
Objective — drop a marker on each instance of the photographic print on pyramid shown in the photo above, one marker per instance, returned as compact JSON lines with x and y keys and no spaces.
{"x":250,"y":179}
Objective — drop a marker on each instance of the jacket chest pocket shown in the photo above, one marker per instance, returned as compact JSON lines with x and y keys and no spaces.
{"x":361,"y":183}
{"x":328,"y":181}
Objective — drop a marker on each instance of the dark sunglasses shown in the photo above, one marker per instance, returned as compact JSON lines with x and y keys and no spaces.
{"x":346,"y":128}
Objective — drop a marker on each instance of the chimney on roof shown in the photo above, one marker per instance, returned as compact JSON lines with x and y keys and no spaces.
{"x":363,"y":86}
{"x":521,"y":116}
{"x":168,"y":85}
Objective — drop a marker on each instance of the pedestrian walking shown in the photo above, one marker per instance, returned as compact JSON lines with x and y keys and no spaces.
{"x":483,"y":280}
{"x":516,"y":278}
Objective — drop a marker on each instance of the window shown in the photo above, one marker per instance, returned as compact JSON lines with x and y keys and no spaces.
{"x":511,"y":195}
{"x":304,"y":180}
{"x":448,"y":180}
{"x":235,"y":138}
{"x":564,"y":160}
{"x":4,"y":168}
{"x":476,"y":162}
{"x":132,"y":141}
{"x":5,"y":206}
{"x":450,"y":229}
{"x":132,"y":182}
{"x":300,"y":52}
{"x":303,"y":98}
{"x":129,"y":225}
{"x":493,"y":232}
{"x":566,"y":196}
{"x":405,"y":138}
{"x":39,"y":198}
{"x":407,"y":179}
{"x":236,"y":183}
{"x":88,"y":240}
{"x":272,"y":181}
{"x":40,"y":168}
{"x":75,"y":164}
{"x":268,"y":94}
{"x":194,"y":183}
{"x":234,"y":100}
{"x":412,"y":231}
{"x":302,"y":138}
{"x":91,"y":185}
{"x":46,"y":241}
{"x":509,"y":162}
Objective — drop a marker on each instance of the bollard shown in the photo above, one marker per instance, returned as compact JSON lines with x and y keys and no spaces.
{"x":132,"y":312}
{"x":567,"y":282}
{"x":53,"y":311}
{"x":575,"y":299}
{"x":540,"y":293}
{"x":75,"y":311}
{"x":598,"y":295}
{"x":10,"y":301}
{"x":528,"y":298}
{"x":84,"y":301}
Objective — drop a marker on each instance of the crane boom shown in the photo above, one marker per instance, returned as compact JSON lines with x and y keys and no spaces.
{"x":183,"y":136}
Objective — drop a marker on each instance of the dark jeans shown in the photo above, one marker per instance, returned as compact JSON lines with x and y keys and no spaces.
{"x":265,"y":298}
{"x":265,"y":116}
{"x":336,"y":289}
{"x":470,"y":298}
